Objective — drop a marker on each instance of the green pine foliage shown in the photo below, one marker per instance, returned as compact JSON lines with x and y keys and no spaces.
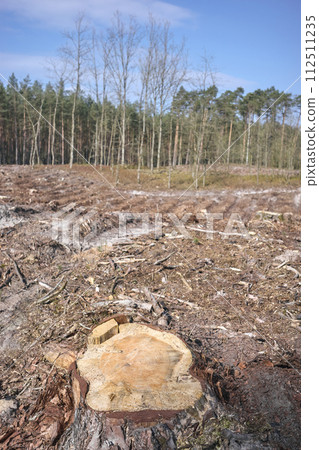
{"x":198,"y":127}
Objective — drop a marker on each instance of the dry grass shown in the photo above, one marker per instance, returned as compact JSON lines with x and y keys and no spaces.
{"x":239,"y":177}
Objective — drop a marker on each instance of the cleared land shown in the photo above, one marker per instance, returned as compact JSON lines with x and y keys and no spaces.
{"x":234,"y":299}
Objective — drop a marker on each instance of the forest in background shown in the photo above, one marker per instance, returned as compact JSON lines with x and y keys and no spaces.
{"x":129,"y":97}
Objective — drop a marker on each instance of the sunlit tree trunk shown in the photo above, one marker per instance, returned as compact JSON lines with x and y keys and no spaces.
{"x":24,"y":135}
{"x":248,"y":140}
{"x":176,"y":144}
{"x":229,"y":142}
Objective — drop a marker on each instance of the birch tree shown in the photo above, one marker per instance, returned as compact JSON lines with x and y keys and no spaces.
{"x":123,"y":39}
{"x":170,"y":70}
{"x":75,"y":54}
{"x":146,"y":66}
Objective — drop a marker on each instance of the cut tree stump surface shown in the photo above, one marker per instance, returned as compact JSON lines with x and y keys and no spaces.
{"x":139,"y":368}
{"x":103,"y":332}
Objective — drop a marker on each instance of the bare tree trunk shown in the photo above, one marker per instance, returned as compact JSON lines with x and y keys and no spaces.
{"x":118,"y":167}
{"x":153,"y":143}
{"x":180,"y":158}
{"x":248,"y":140}
{"x":258,"y":150}
{"x":62,"y":140}
{"x":35,"y":133}
{"x":176,"y":143}
{"x":123,"y":132}
{"x":266,"y":144}
{"x":16,"y":139}
{"x":294,"y":143}
{"x":188,"y":146}
{"x":220,"y":140}
{"x":72,"y":130}
{"x":110,"y":160}
{"x":159,"y":147}
{"x":229,"y":142}
{"x":53,"y":129}
{"x":24,"y":136}
{"x":75,"y":54}
{"x":102,"y":132}
{"x":244,"y":144}
{"x":96,"y":153}
{"x":169,"y":71}
{"x":120,"y":47}
{"x":170,"y":153}
{"x":49,"y":141}
{"x":282,"y":139}
{"x":140,"y":149}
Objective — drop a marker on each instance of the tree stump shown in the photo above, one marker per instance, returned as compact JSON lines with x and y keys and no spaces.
{"x":135,"y":387}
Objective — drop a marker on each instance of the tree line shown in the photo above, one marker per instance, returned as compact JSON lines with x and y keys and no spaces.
{"x":120,"y":99}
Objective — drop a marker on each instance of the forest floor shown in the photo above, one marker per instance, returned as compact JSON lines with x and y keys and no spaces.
{"x":233,"y":295}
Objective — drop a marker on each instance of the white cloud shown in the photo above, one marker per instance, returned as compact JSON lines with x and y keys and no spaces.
{"x":21,"y":65}
{"x":61,"y":13}
{"x":225,"y":81}
{"x":222,"y":80}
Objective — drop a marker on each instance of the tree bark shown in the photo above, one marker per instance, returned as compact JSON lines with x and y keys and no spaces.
{"x":159,"y":147}
{"x":135,"y":427}
{"x":176,"y":143}
{"x":229,"y":142}
{"x":72,"y":130}
{"x":248,"y":140}
{"x":24,"y":135}
{"x":282,"y":138}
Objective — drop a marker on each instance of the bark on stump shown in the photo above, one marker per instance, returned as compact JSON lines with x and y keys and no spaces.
{"x":135,"y":388}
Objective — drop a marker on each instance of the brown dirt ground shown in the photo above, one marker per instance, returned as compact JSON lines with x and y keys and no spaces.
{"x":235,"y":301}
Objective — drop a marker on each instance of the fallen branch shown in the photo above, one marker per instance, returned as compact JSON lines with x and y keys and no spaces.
{"x":120,"y":261}
{"x":45,"y":285}
{"x":125,"y":302}
{"x":185,"y":302}
{"x":215,"y":231}
{"x":49,"y":297}
{"x":18,"y":271}
{"x":128,"y":261}
{"x":160,"y":261}
{"x":115,"y":283}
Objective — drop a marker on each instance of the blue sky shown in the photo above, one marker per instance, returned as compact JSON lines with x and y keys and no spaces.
{"x":254,"y":43}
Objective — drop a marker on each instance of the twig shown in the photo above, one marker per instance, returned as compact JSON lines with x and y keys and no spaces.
{"x":215,"y":231}
{"x":112,"y":263}
{"x":45,"y":285}
{"x":125,"y":302}
{"x":298,"y":275}
{"x":6,"y":282}
{"x":157,"y":307}
{"x":18,"y":271}
{"x":185,"y":282}
{"x":160,"y":261}
{"x":25,"y":387}
{"x":282,"y":264}
{"x":115,"y":283}
{"x":53,"y":293}
{"x":128,"y":261}
{"x":192,"y":305}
